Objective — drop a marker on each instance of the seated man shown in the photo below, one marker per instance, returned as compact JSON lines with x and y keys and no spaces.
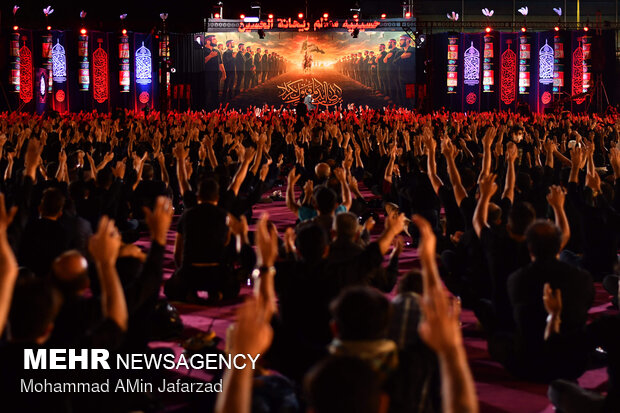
{"x":201,"y":250}
{"x":44,"y":238}
{"x":528,"y":356}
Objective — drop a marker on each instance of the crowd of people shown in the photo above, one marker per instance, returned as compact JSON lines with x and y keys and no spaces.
{"x":516,"y":216}
{"x":387,"y":71}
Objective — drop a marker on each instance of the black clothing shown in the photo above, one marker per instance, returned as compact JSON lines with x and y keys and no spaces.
{"x":42,"y":242}
{"x":204,"y":232}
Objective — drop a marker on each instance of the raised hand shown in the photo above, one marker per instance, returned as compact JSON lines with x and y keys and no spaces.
{"x":488,"y":187}
{"x":511,"y":151}
{"x":556,"y":196}
{"x":104,"y":245}
{"x":159,"y":219}
{"x":552,"y":300}
{"x":266,"y":240}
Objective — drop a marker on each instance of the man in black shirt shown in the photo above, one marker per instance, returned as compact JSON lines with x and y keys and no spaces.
{"x":229,"y":60}
{"x":258,"y":71}
{"x":381,"y":69}
{"x":406,"y":67}
{"x":44,"y":238}
{"x":200,"y":250}
{"x":248,"y":67}
{"x":239,"y":68}
{"x":524,"y":286}
{"x":213,"y":68}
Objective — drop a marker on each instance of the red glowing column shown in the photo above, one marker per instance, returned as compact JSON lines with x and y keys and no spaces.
{"x":508,"y":75}
{"x":100,"y":74}
{"x":577,"y":81}
{"x":25,"y":73}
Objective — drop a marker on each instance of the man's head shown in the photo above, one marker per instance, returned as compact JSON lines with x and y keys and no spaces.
{"x":210,"y":41}
{"x":258,"y":50}
{"x":70,"y":273}
{"x":544,"y":240}
{"x":346,"y":226}
{"x":34,"y":307}
{"x":248,"y":49}
{"x":360,"y":313}
{"x":322,"y":170}
{"x":148,"y":172}
{"x":52,"y":203}
{"x":517,"y":134}
{"x":521,"y":215}
{"x":382,"y":47}
{"x":343,"y":384}
{"x":230,"y":44}
{"x":326,"y":200}
{"x":404,"y":41}
{"x":311,"y":242}
{"x":241,"y":47}
{"x":208,"y":191}
{"x":391,"y":43}
{"x":411,"y":282}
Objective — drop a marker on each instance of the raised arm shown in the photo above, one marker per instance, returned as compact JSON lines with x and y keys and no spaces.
{"x":181,"y":153}
{"x":488,"y":187}
{"x":441,"y":331}
{"x":431,"y":164}
{"x":509,"y":186}
{"x":104,"y":246}
{"x":346,"y":191}
{"x":555,"y":198}
{"x":291,"y":202}
{"x":242,"y":171}
{"x":8,"y":264}
{"x":449,"y":152}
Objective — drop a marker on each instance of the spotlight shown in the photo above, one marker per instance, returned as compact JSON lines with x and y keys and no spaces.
{"x":355,"y":33}
{"x":49,"y":28}
{"x":523,"y":29}
{"x":586,"y":28}
{"x":270,"y":17}
{"x":356,"y":16}
{"x":383,"y":15}
{"x":326,"y":16}
{"x":261,"y":33}
{"x":216,"y":15}
{"x":82,"y":31}
{"x":556,"y":28}
{"x":488,"y":29}
{"x":242,"y":16}
{"x":408,"y":15}
{"x":15,"y":27}
{"x":124,"y":32}
{"x":300,"y":16}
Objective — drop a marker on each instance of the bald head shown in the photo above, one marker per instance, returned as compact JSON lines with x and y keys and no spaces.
{"x":70,"y":272}
{"x":322,"y":171}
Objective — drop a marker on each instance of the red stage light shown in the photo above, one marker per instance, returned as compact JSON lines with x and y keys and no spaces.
{"x":15,"y":27}
{"x":300,"y":16}
{"x":242,"y":16}
{"x":488,"y":29}
{"x":270,"y":17}
{"x":383,"y":15}
{"x":556,"y":28}
{"x":49,"y":27}
{"x":408,"y":14}
{"x":325,"y":15}
{"x":523,"y":29}
{"x":217,"y":15}
{"x":82,"y":31}
{"x":124,"y":31}
{"x":586,"y":28}
{"x":355,"y":16}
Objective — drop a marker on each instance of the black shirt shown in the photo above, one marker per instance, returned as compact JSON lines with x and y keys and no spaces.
{"x":213,"y":65}
{"x":205,"y":234}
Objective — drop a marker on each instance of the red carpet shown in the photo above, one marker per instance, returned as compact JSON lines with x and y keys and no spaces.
{"x":497,"y":390}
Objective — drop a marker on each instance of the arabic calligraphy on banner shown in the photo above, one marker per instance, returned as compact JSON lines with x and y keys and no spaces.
{"x":304,"y":26}
{"x":323,"y":93}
